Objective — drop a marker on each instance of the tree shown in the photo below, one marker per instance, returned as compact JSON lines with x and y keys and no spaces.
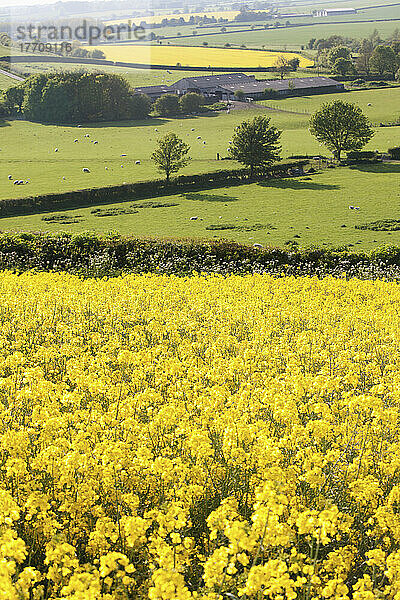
{"x":167,"y":105}
{"x":255,"y":143}
{"x":343,"y":66}
{"x":294,"y":63}
{"x":383,"y":60}
{"x":13,"y":98}
{"x":282,"y":65}
{"x":171,"y":154}
{"x":338,"y":52}
{"x":191,"y":102}
{"x":366,"y":50}
{"x":341,"y":126}
{"x":239,"y":95}
{"x":141,"y":106}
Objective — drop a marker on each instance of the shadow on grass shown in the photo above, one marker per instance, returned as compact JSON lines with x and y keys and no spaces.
{"x":378,"y":168}
{"x":4,"y":123}
{"x":285,"y":184}
{"x":209,"y":197}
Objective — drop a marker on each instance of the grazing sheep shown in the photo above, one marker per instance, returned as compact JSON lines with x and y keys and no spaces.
{"x":156,"y":130}
{"x":85,"y":170}
{"x":258,"y":246}
{"x":75,"y":141}
{"x":356,"y":208}
{"x":10,"y":177}
{"x":87,"y":135}
{"x":63,"y":178}
{"x":203,"y":142}
{"x":351,"y":207}
{"x":96,"y":142}
{"x":55,"y":149}
{"x":194,"y":218}
{"x":137,"y":162}
{"x":199,"y":137}
{"x":369,"y":104}
{"x":106,"y":168}
{"x":122,"y":166}
{"x":122,"y":155}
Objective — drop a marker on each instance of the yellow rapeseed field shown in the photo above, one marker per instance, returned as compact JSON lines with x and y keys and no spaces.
{"x":225,"y":14}
{"x":199,"y":438}
{"x":194,"y":56}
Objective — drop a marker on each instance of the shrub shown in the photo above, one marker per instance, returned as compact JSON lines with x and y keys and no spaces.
{"x":394,"y":153}
{"x":167,"y":105}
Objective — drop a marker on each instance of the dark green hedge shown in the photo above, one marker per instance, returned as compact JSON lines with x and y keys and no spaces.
{"x":143,"y":189}
{"x":90,"y":255}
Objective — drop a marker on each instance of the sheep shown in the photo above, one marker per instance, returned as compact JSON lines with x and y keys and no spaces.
{"x":192,"y":129}
{"x":258,"y":246}
{"x":16,"y":182}
{"x":351,"y":207}
{"x":96,"y":142}
{"x":369,"y":104}
{"x":85,"y":170}
{"x":10,"y":177}
{"x":106,"y":168}
{"x":63,"y":178}
{"x":76,"y":141}
{"x":199,"y":137}
{"x":203,"y":142}
{"x":156,"y":130}
{"x":122,"y":166}
{"x":137,"y":162}
{"x":87,"y":135}
{"x":55,"y":149}
{"x":122,"y":155}
{"x":194,"y":218}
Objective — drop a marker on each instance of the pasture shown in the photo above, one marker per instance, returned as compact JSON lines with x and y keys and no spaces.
{"x":194,"y":57}
{"x":313,"y":210}
{"x":28,"y":149}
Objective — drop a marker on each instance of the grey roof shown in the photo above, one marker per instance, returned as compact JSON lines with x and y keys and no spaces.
{"x":206,"y":81}
{"x":299,"y":83}
{"x":152,"y":89}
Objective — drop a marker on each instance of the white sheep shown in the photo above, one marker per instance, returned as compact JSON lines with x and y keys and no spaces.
{"x":194,"y":218}
{"x":351,"y":207}
{"x":122,"y":155}
{"x":96,"y":142}
{"x":199,"y":137}
{"x":63,"y":178}
{"x":137,"y":162}
{"x":55,"y":149}
{"x":192,"y":128}
{"x":87,"y":135}
{"x":85,"y":170}
{"x":258,"y":246}
{"x":75,"y":141}
{"x":10,"y":177}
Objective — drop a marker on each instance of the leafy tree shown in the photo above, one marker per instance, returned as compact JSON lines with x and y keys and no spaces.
{"x":167,"y":105}
{"x":383,"y":60}
{"x":171,"y":154}
{"x":341,"y":126}
{"x":294,"y":63}
{"x":191,"y":102}
{"x":13,"y":98}
{"x":255,"y":143}
{"x":141,"y":106}
{"x":343,"y":66}
{"x":365,"y":53}
{"x":339,"y":52}
{"x":239,"y":95}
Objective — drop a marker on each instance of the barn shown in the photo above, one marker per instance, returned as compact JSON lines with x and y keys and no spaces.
{"x":296,"y":86}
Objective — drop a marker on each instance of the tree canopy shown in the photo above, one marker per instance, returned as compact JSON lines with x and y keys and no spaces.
{"x":171,"y":154}
{"x":255,"y":143}
{"x":341,"y":127}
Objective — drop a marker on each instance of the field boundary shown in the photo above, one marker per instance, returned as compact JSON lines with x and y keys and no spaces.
{"x":143,"y":189}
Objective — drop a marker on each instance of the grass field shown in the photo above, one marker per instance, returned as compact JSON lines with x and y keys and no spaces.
{"x":290,"y":37}
{"x":385,"y":103}
{"x":27,"y":149}
{"x":198,"y":57}
{"x":309,"y":211}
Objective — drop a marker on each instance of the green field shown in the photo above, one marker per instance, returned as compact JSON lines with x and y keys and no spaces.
{"x":385,"y":103}
{"x":309,"y":211}
{"x":28,"y":149}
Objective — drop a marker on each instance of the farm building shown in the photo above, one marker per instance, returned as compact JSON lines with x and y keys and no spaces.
{"x":153,"y":91}
{"x":223,"y":87}
{"x":333,"y":12}
{"x":296,"y":86}
{"x":207,"y":84}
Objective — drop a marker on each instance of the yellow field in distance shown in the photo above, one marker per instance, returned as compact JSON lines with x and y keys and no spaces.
{"x":189,"y":56}
{"x":225,"y":14}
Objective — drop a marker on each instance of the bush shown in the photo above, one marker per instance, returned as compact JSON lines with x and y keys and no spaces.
{"x":362,"y":156}
{"x":167,"y":105}
{"x":394,"y":153}
{"x":191,"y":103}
